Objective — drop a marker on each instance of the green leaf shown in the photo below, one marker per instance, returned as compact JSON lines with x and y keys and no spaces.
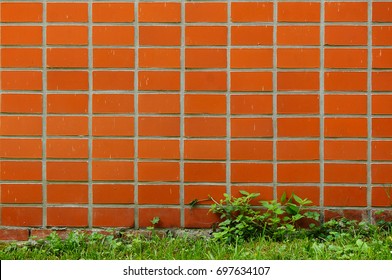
{"x":283,"y":197}
{"x":244,"y":193}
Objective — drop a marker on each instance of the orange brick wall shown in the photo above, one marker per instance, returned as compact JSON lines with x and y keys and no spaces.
{"x":113,"y":112}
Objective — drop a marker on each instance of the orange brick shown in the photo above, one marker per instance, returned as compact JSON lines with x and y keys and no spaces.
{"x":205,"y":58}
{"x":345,"y":58}
{"x":251,"y":58}
{"x":298,"y":104}
{"x":20,"y":125}
{"x":345,"y":127}
{"x":298,"y":12}
{"x":67,"y":35}
{"x":67,"y":125}
{"x":159,"y":126}
{"x":113,"y":171}
{"x":67,"y":216}
{"x":113,"y":35}
{"x":382,"y":127}
{"x":158,"y":171}
{"x":345,"y":173}
{"x":251,"y":81}
{"x":250,"y":104}
{"x":159,"y":103}
{"x":298,"y":81}
{"x":345,"y":11}
{"x":158,"y":149}
{"x":113,"y":193}
{"x":381,"y":150}
{"x":250,"y":150}
{"x":381,"y":11}
{"x":298,"y":150}
{"x":160,"y":35}
{"x":67,"y":193}
{"x":251,"y":35}
{"x":21,"y":193}
{"x":205,"y":127}
{"x":206,"y":12}
{"x":113,"y":148}
{"x":21,"y":80}
{"x":113,"y":126}
{"x":381,"y":104}
{"x":21,"y":35}
{"x":205,"y":81}
{"x":382,"y":58}
{"x":205,"y":104}
{"x":113,"y":103}
{"x":67,"y":103}
{"x":251,"y":11}
{"x":345,"y":81}
{"x":169,"y":194}
{"x":346,"y":35}
{"x":345,"y":104}
{"x":67,"y":171}
{"x":113,"y":12}
{"x":345,"y":150}
{"x":251,"y":127}
{"x":21,"y":58}
{"x":205,"y":149}
{"x":204,"y":172}
{"x":345,"y":196}
{"x":159,"y":58}
{"x":169,"y":218}
{"x":21,"y":171}
{"x":308,"y":192}
{"x":113,"y":217}
{"x":160,"y":12}
{"x":202,"y":193}
{"x":381,"y":81}
{"x":159,"y":80}
{"x":200,"y":218}
{"x":382,"y":35}
{"x":206,"y":35}
{"x":67,"y":80}
{"x":298,"y":58}
{"x":381,"y":173}
{"x":67,"y":148}
{"x":20,"y":148}
{"x":21,"y":12}
{"x":381,"y":196}
{"x":67,"y":58}
{"x":21,"y":103}
{"x":251,"y":172}
{"x":67,"y":12}
{"x":298,"y":127}
{"x":298,"y":35}
{"x":113,"y":58}
{"x":21,"y":216}
{"x":299,"y":173}
{"x":113,"y":80}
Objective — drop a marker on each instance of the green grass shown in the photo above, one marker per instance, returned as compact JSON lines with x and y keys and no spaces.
{"x":346,"y":240}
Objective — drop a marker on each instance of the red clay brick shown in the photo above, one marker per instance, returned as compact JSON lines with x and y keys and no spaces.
{"x":113,"y":217}
{"x":206,"y":12}
{"x":66,"y":148}
{"x":206,"y":36}
{"x":204,"y":172}
{"x":21,"y":103}
{"x":113,"y":12}
{"x":113,"y":171}
{"x":67,"y":193}
{"x":168,"y":194}
{"x":158,"y":149}
{"x":160,"y":12}
{"x":113,"y":193}
{"x":205,"y":104}
{"x":251,"y":172}
{"x":158,"y":171}
{"x":21,"y":193}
